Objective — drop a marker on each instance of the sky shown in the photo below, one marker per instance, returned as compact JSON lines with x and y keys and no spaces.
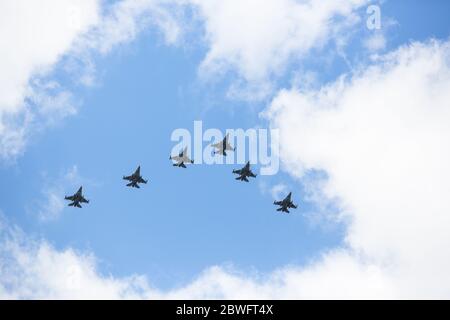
{"x":92,"y":89}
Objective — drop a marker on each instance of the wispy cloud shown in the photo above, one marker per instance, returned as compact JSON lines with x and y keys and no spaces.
{"x":52,"y":205}
{"x":256,"y":40}
{"x":375,"y":42}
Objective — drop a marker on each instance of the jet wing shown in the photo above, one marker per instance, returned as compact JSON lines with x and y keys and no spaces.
{"x":74,"y":204}
{"x":133,"y":184}
{"x":218,"y":145}
{"x":227,"y":143}
{"x":228,"y":146}
{"x":182,"y":165}
{"x":187,"y":159}
{"x":243,"y":178}
{"x":141,"y":180}
{"x":176,"y":158}
{"x":220,"y":150}
{"x":239,"y":171}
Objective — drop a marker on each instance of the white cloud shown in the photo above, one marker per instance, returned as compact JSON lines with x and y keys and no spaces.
{"x":33,"y":269}
{"x":36,"y":36}
{"x":380,"y":135}
{"x":375,"y":42}
{"x":53,"y":205}
{"x":336,"y":276}
{"x":124,"y":20}
{"x":33,"y":37}
{"x":278,"y":191}
{"x":258,"y":38}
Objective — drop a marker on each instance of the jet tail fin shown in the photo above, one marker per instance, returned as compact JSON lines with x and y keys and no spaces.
{"x":133,"y":185}
{"x":75,"y":204}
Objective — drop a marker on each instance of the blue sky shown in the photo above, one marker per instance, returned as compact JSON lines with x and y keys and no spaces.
{"x":183,"y":221}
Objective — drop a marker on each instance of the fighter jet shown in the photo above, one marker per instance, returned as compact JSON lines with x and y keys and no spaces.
{"x":244,"y":173}
{"x":223,"y":146}
{"x":135,"y":179}
{"x":181,"y":159}
{"x":77,"y":198}
{"x":285,"y":204}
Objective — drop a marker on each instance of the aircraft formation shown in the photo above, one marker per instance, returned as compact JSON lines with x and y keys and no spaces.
{"x":180,"y":161}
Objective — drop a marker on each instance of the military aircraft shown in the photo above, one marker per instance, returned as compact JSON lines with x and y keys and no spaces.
{"x":285,"y":204}
{"x":181,"y":159}
{"x":244,"y":173}
{"x":77,"y":198}
{"x":223,"y":146}
{"x":135,"y":179}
